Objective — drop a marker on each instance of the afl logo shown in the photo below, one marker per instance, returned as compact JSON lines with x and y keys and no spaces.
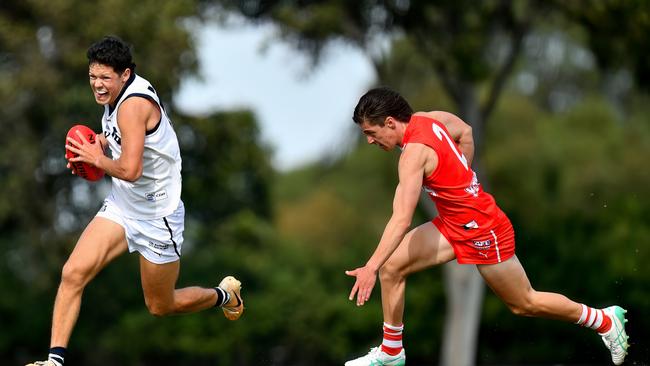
{"x":482,"y":244}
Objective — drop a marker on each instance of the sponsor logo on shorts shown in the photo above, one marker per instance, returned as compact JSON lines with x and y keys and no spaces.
{"x":104,"y":205}
{"x":155,"y":196}
{"x":482,"y":247}
{"x":482,"y":244}
{"x":158,"y":245}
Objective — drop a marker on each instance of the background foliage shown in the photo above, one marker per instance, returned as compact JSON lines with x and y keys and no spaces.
{"x":565,"y":155}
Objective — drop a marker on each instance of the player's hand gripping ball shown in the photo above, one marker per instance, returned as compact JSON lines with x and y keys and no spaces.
{"x":84,"y":170}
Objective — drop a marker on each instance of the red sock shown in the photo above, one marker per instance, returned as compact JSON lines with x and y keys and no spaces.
{"x":392,"y":342}
{"x":607,"y":324}
{"x":595,"y":319}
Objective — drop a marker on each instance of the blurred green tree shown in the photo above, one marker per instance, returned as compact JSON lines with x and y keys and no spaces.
{"x":580,"y":231}
{"x":616,"y":32}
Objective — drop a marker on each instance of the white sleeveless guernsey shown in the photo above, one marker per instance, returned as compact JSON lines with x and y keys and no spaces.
{"x":157,"y":192}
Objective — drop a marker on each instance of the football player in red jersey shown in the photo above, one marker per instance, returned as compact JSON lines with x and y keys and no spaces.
{"x":437,"y":151}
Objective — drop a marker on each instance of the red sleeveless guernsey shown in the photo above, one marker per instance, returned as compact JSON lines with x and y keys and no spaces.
{"x":468,"y":216}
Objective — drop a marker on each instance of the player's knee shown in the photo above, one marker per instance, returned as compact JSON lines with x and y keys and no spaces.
{"x":390,"y":272}
{"x":158,"y":306}
{"x":74,"y":275}
{"x":525,"y":307}
{"x":520,"y":309}
{"x":158,"y":309}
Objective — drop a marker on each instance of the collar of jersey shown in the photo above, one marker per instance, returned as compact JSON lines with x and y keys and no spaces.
{"x":117,"y":100}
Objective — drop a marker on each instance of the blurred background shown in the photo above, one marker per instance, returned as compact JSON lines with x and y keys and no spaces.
{"x":281,"y":190}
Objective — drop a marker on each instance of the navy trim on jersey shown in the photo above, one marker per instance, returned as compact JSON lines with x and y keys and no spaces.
{"x":151,"y":131}
{"x":162,"y":105}
{"x":111,"y":108}
{"x":146,"y":96}
{"x":171,"y":236}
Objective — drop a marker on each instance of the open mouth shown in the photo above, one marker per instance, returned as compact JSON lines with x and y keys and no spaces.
{"x":101,"y":94}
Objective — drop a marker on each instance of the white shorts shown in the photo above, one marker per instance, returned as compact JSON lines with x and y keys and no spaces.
{"x":158,"y":240}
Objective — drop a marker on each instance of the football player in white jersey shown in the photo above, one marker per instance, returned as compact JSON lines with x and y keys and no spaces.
{"x":143,"y":213}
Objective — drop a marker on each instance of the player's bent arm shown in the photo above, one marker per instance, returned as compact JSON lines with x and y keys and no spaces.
{"x":459,"y":131}
{"x":411,"y":171}
{"x":133,"y":115}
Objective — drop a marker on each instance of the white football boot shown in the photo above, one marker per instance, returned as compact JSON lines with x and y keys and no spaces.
{"x":376,"y":357}
{"x":615,"y":338}
{"x":42,"y":363}
{"x":235,"y":306}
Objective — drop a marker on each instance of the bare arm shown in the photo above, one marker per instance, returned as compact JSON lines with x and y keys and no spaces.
{"x":407,"y":194}
{"x":133,"y":116}
{"x":459,"y":131}
{"x":411,"y":170}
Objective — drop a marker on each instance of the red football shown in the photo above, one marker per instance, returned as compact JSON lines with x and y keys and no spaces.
{"x":84,"y":170}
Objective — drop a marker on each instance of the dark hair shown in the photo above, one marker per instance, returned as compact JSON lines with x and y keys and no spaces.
{"x":379,"y":103}
{"x":111,"y":51}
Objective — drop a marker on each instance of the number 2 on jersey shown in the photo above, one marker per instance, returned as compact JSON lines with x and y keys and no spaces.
{"x":441,"y":133}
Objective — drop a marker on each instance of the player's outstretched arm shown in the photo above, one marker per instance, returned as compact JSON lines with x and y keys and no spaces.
{"x":412,"y":163}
